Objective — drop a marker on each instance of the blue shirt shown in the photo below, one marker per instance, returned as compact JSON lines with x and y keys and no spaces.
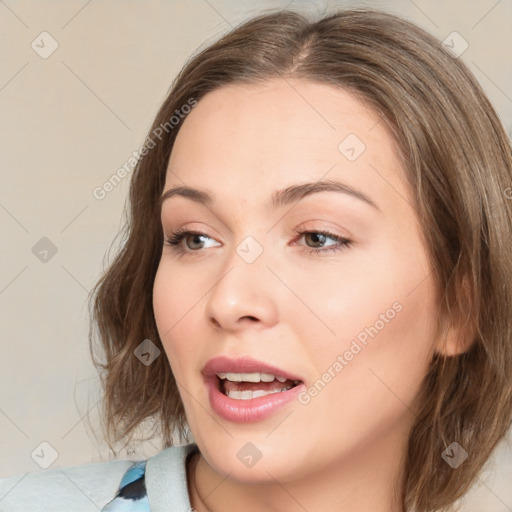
{"x":158,"y":484}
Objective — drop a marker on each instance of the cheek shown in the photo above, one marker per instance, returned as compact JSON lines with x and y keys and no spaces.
{"x":378,"y":315}
{"x":381,"y":371}
{"x":174,"y":301}
{"x":337,"y":302}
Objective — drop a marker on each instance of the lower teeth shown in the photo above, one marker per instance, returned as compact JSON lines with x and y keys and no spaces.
{"x":247,"y":395}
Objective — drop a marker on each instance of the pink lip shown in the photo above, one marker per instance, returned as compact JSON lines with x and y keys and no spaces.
{"x":243,"y":365}
{"x":246,"y":411}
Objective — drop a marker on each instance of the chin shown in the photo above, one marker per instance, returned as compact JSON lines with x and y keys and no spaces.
{"x":249,"y":461}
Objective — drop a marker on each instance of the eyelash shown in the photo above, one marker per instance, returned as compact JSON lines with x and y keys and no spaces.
{"x":176,"y":238}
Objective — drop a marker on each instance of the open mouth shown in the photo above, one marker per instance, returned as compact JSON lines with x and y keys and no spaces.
{"x":246,"y":386}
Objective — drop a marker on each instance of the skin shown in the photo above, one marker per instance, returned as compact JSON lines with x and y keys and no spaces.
{"x":292,"y":308}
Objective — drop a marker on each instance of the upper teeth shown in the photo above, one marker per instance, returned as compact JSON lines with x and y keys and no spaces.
{"x":250,"y":377}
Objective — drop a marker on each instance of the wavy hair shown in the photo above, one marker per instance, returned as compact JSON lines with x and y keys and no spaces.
{"x":459,"y":169}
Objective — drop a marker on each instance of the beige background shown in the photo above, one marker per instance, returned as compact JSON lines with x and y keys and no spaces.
{"x":67,"y":123}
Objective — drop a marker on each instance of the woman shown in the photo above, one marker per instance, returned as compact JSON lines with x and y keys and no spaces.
{"x":316,"y":279}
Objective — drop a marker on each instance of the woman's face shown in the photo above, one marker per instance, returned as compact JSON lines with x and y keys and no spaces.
{"x":353,"y":321}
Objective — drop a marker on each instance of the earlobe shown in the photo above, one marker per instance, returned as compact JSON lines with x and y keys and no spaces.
{"x":459,"y":330}
{"x":457,"y":339}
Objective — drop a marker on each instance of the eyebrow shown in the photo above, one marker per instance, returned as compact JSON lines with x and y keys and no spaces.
{"x":286,"y":196}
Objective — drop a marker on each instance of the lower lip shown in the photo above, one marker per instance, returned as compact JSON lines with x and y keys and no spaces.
{"x":248,"y":411}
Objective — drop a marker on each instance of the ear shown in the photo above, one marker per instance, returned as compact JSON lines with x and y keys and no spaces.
{"x":457,"y":338}
{"x":459,"y":332}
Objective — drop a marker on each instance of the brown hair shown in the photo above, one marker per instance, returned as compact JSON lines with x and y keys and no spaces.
{"x":459,"y":167}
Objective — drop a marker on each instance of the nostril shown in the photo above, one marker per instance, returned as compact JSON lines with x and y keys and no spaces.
{"x":215,"y":322}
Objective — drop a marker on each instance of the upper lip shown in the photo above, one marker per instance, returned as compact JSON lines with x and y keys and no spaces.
{"x":222,"y":364}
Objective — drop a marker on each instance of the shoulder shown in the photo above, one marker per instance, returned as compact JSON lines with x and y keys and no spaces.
{"x":158,"y":483}
{"x":84,"y":488}
{"x":166,"y":478}
{"x":116,"y":486}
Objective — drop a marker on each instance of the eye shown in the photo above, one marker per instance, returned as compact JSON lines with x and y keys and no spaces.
{"x":174,"y":241}
{"x":198,"y":240}
{"x":320,"y":237}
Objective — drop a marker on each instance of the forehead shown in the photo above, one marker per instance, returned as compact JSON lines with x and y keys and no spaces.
{"x":277,"y":116}
{"x":279,"y":132}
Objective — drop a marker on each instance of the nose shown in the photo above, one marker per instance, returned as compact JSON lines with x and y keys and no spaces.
{"x":243,"y":296}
